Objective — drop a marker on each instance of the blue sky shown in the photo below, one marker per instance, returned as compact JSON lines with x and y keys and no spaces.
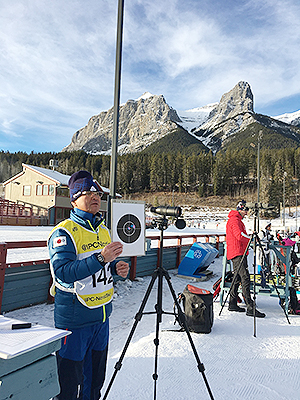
{"x":57,"y":62}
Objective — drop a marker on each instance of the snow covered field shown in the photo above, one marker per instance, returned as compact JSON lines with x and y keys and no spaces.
{"x":238,"y":366}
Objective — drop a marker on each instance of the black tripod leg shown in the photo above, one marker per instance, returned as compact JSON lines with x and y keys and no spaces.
{"x":273,"y":281}
{"x":138,"y":317}
{"x":236,"y":274}
{"x":254,"y":278}
{"x":159,"y":311}
{"x":182,"y":320}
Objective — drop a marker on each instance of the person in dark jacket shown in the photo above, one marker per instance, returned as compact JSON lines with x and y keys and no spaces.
{"x":237,"y":241}
{"x":83,"y":260}
{"x":264,"y":254}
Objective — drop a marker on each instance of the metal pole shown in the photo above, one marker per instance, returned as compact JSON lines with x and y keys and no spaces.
{"x":258,"y":176}
{"x":283,"y":202}
{"x":296,"y":209}
{"x":284,"y":175}
{"x":114,"y":148}
{"x":256,"y":230}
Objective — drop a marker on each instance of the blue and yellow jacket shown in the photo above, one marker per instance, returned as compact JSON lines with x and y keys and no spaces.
{"x":73,"y":245}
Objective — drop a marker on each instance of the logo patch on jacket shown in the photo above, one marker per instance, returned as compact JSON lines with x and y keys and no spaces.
{"x":60,"y":241}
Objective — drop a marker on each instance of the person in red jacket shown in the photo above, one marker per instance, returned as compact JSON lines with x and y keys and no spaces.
{"x":237,"y":241}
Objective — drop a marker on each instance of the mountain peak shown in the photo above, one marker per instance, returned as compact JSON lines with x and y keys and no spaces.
{"x":234,"y":112}
{"x":290,"y":118}
{"x":145,"y":96}
{"x":141,"y":122}
{"x":238,"y":100}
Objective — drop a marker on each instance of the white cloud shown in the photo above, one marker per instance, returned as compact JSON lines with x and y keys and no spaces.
{"x":187,"y":42}
{"x":57,"y":58}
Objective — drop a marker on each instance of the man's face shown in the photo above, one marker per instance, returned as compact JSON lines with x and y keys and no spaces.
{"x":243,"y":213}
{"x":89,"y":202}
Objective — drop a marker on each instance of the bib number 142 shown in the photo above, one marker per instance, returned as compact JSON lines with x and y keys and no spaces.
{"x":103,"y":277}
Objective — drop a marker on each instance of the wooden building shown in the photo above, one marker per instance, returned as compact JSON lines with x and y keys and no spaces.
{"x":45,"y":191}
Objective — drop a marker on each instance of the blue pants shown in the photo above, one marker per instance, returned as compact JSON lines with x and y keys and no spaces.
{"x":81,"y":362}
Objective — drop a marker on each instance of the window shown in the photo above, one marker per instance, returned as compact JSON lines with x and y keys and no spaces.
{"x":26,"y":190}
{"x":62,"y":191}
{"x":51,"y":190}
{"x":39,"y":189}
{"x":45,"y":190}
{"x":67,"y":213}
{"x":59,"y":213}
{"x":62,"y":213}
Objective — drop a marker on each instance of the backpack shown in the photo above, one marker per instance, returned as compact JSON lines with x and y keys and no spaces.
{"x":198,"y":309}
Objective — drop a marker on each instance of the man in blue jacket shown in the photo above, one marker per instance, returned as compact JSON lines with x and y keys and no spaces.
{"x":82,"y":264}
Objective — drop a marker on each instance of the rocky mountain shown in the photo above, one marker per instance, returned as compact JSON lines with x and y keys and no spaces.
{"x":233,"y":113}
{"x":141,"y":122}
{"x":150,"y":120}
{"x":290,"y":118}
{"x":233,"y":123}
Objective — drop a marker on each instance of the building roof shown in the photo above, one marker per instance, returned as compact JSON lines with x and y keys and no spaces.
{"x":57,"y":177}
{"x":49,"y":173}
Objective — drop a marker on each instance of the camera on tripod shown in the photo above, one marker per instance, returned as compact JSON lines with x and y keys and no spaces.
{"x":268,"y":210}
{"x":168,"y":211}
{"x":260,"y":206}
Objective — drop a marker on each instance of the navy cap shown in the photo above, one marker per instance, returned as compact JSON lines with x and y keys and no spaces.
{"x":242,"y":206}
{"x":82,"y":181}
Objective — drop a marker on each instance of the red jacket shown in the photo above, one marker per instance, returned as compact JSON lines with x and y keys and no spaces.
{"x":236,"y":235}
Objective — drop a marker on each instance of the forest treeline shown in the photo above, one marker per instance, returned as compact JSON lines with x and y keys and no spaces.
{"x":232,"y":173}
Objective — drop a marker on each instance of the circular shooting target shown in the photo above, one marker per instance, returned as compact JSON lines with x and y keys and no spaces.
{"x":129,"y":228}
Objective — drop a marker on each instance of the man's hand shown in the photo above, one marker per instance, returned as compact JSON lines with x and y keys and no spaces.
{"x":111,"y":251}
{"x":122,"y":268}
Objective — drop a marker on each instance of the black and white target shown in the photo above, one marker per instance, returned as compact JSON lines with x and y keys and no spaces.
{"x":129,"y":228}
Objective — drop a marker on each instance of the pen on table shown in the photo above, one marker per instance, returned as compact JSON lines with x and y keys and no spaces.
{"x":24,"y":325}
{"x":14,"y":326}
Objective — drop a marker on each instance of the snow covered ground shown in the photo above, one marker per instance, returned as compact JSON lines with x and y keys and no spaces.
{"x":238,"y":365}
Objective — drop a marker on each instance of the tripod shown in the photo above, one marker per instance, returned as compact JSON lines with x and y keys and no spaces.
{"x":159,"y":274}
{"x":256,"y":243}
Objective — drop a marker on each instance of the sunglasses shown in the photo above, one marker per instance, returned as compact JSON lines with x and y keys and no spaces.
{"x":89,"y":193}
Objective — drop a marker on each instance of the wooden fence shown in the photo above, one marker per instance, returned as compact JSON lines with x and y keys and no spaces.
{"x":12,"y":213}
{"x":27,"y":283}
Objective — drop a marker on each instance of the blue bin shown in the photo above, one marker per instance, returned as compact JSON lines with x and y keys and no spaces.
{"x":197,"y":259}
